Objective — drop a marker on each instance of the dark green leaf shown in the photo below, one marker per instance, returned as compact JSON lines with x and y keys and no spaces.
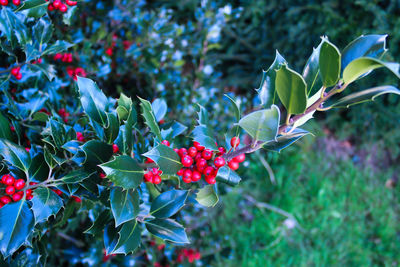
{"x":45,"y":203}
{"x":96,"y":152}
{"x":57,"y":47}
{"x":202,"y":115}
{"x":236,"y":107}
{"x":365,"y":96}
{"x":329,"y":63}
{"x":112,"y":130}
{"x":75,"y":176}
{"x":148,"y":115}
{"x":36,"y":8}
{"x":173,"y":131}
{"x":167,"y":229}
{"x":38,"y":169}
{"x":262,"y":124}
{"x":291,"y":89}
{"x":227,"y":176}
{"x":16,"y":225}
{"x":168,"y":203}
{"x":15,"y":155}
{"x":5,"y":130}
{"x":203,"y":135}
{"x":286,"y":140}
{"x":311,"y":72}
{"x":57,"y":131}
{"x":42,"y":30}
{"x":123,"y":171}
{"x":129,"y":238}
{"x":207,"y":196}
{"x":99,"y":223}
{"x":166,"y":158}
{"x":124,"y":205}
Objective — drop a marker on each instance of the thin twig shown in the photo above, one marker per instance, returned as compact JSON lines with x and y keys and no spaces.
{"x":268,"y":168}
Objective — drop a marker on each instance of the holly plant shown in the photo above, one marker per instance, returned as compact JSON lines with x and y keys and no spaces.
{"x":119,"y":169}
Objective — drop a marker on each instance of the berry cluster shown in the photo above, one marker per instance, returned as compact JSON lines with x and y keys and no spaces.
{"x":74,"y":72}
{"x":190,"y":254}
{"x":66,"y":57}
{"x":80,"y":137}
{"x":153,"y":175}
{"x":39,"y":61}
{"x":12,"y":186}
{"x":16,"y":72}
{"x":5,"y":2}
{"x":58,"y":4}
{"x":64,"y":114}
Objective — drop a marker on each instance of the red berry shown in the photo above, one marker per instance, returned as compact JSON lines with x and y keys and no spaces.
{"x":234,"y":165}
{"x":63,"y":8}
{"x":176,"y":150}
{"x":148,"y":177}
{"x":109,"y":51}
{"x":149,"y":160}
{"x":4,"y":178}
{"x":28,"y":192}
{"x":165,"y":142}
{"x":115,"y":148}
{"x":182,"y":152}
{"x":210,"y":180}
{"x":208,"y":171}
{"x":29,"y":197}
{"x":235,"y":141}
{"x":19,"y":184}
{"x":187,"y":174}
{"x":156,"y":179}
{"x":196,"y":176}
{"x":240,"y":158}
{"x":192,"y":151}
{"x":154,"y":171}
{"x":17,"y":196}
{"x":221,"y":150}
{"x":15,"y":71}
{"x":198,"y":146}
{"x":1,"y":205}
{"x":201,"y":163}
{"x":5,"y":199}
{"x":50,"y":7}
{"x":180,"y":172}
{"x":58,"y":192}
{"x":57,"y":3}
{"x":102,"y":175}
{"x":207,"y":154}
{"x":219,"y":162}
{"x":9,"y":180}
{"x":187,"y":161}
{"x":16,"y":2}
{"x":80,"y":137}
{"x":19,"y":76}
{"x":10,"y":190}
{"x":71,"y":3}
{"x":4,"y":3}
{"x":75,"y":198}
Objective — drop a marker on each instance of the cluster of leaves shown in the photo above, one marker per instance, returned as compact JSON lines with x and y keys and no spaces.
{"x":41,"y":144}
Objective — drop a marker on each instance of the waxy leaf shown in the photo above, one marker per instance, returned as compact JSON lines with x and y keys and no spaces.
{"x":267,"y":86}
{"x":329,"y":63}
{"x":364,"y":46}
{"x":204,"y":136}
{"x":5,"y":130}
{"x":207,"y":196}
{"x":99,"y":223}
{"x":227,"y":176}
{"x":36,"y":8}
{"x":111,"y":131}
{"x":45,"y":203}
{"x":159,"y":107}
{"x":286,"y":140}
{"x":365,"y":96}
{"x":124,"y":205}
{"x":38,"y":170}
{"x":15,"y":155}
{"x":75,"y":176}
{"x":168,"y":203}
{"x":167,"y":229}
{"x":262,"y":124}
{"x":166,"y":158}
{"x":173,"y":131}
{"x":129,"y":238}
{"x":236,"y":107}
{"x":96,"y":152}
{"x":57,"y":47}
{"x":359,"y":67}
{"x":93,"y":100}
{"x":291,"y":89}
{"x":311,"y":72}
{"x":310,"y":101}
{"x":149,"y":118}
{"x":123,"y":171}
{"x":202,"y":115}
{"x":16,"y":225}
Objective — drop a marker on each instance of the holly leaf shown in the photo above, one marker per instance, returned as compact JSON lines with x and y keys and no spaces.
{"x":236,"y":107}
{"x":75,"y":176}
{"x":262,"y":124}
{"x":166,"y":158}
{"x":5,"y":130}
{"x":38,"y":170}
{"x":149,"y":118}
{"x":227,"y":176}
{"x":36,"y":8}
{"x":173,"y":131}
{"x":99,"y":223}
{"x":167,"y":229}
{"x":311,"y":72}
{"x":291,"y":89}
{"x":16,"y":225}
{"x":286,"y":140}
{"x":159,"y":107}
{"x":207,"y":196}
{"x":45,"y":203}
{"x":96,"y":152}
{"x":329,"y":63}
{"x":129,"y":238}
{"x":123,"y":171}
{"x":57,"y":47}
{"x":15,"y":155}
{"x":203,"y":135}
{"x":168,"y":203}
{"x":124,"y":205}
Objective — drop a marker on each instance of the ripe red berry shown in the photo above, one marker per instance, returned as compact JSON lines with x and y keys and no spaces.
{"x":19,"y":76}
{"x":71,"y":3}
{"x":63,"y":8}
{"x":28,"y":192}
{"x":210,"y":180}
{"x":165,"y":142}
{"x":196,"y":176}
{"x":57,"y":3}
{"x":10,"y":190}
{"x":180,"y":172}
{"x":187,"y":161}
{"x":75,"y":198}
{"x":187,"y":176}
{"x":9,"y":180}
{"x":234,"y":165}
{"x":176,"y":150}
{"x":198,"y":146}
{"x":208,"y":171}
{"x":149,"y":160}
{"x":148,"y":177}
{"x":235,"y":141}
{"x":5,"y":199}
{"x":15,"y":71}
{"x":219,"y":162}
{"x":16,"y":2}
{"x":240,"y":158}
{"x":156,"y":179}
{"x":192,"y":151}
{"x":155,"y":171}
{"x":17,"y":196}
{"x":19,"y":184}
{"x":182,"y":152}
{"x":80,"y":137}
{"x":50,"y":7}
{"x":115,"y":148}
{"x":4,"y":178}
{"x":201,"y":163}
{"x":207,"y":154}
{"x":3,"y":2}
{"x":29,"y":197}
{"x":221,"y":150}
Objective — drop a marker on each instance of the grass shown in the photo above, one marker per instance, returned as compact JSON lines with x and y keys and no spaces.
{"x":346,"y":215}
